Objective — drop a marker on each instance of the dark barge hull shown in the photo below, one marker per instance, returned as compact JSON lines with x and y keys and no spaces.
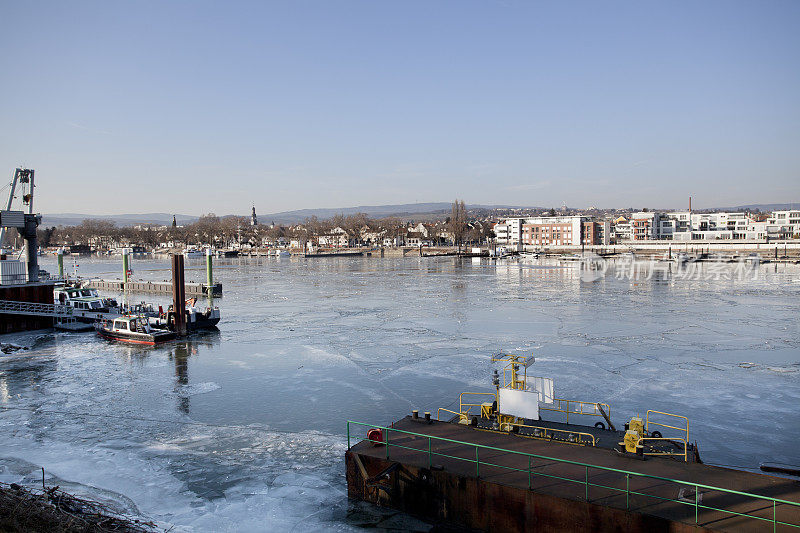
{"x":200,"y":322}
{"x":335,"y":254}
{"x":446,"y":487}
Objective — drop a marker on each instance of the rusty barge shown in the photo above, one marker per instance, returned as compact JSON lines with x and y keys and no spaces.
{"x":497,"y":465}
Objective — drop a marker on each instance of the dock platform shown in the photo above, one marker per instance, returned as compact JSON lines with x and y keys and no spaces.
{"x":491,"y":481}
{"x":154,"y":287}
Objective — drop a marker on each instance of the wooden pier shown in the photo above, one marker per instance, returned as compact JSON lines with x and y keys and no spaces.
{"x":476,"y":479}
{"x":154,"y":287}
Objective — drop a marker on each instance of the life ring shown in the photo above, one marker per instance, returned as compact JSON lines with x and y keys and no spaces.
{"x":375,"y":436}
{"x":600,"y":425}
{"x":656,"y":434}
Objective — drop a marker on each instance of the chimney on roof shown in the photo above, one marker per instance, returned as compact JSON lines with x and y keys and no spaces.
{"x":690,"y":204}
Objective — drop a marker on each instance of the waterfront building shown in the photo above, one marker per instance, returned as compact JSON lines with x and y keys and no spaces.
{"x":549,"y":231}
{"x":785,"y":224}
{"x":645,"y":226}
{"x":687,"y":226}
{"x":508,"y":231}
{"x":536,"y":232}
{"x":621,"y":229}
{"x":596,"y":232}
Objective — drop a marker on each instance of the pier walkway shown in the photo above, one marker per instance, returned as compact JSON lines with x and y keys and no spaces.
{"x":57,"y":311}
{"x":154,"y":287}
{"x":9,"y":307}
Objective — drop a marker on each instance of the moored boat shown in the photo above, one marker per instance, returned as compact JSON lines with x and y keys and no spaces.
{"x":196,"y":317}
{"x":335,"y":253}
{"x":132,"y":329}
{"x":194,"y":253}
{"x":84,"y":298}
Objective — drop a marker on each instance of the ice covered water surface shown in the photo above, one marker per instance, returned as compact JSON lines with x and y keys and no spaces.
{"x":244,"y":429}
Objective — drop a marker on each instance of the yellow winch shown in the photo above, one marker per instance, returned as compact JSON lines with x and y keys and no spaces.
{"x":633,"y":435}
{"x":631,"y":441}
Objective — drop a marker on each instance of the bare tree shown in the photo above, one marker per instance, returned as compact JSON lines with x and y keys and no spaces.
{"x":205,"y":228}
{"x":457,"y":222}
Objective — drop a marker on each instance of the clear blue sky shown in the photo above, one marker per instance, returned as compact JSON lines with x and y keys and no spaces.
{"x":194,"y":107}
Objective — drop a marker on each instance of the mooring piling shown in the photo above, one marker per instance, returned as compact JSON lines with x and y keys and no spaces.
{"x":178,"y":295}
{"x":125,"y":266}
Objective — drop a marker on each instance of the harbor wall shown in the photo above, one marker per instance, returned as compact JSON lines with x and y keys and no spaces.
{"x":28,"y":292}
{"x":469,"y":503}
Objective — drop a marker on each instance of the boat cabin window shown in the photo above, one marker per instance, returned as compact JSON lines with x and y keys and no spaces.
{"x":120,"y":324}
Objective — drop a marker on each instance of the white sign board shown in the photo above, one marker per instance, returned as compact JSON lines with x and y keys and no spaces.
{"x":519,"y":403}
{"x":544,"y":386}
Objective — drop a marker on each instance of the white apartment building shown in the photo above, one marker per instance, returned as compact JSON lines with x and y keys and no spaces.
{"x":509,"y":231}
{"x":785,"y":223}
{"x":685,"y":226}
{"x":621,"y":229}
{"x":716,"y":226}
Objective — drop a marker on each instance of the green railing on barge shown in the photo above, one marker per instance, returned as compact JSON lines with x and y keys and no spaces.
{"x":628,"y":474}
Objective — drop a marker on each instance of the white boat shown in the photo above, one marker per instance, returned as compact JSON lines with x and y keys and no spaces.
{"x":529,"y":255}
{"x":194,"y":253}
{"x":132,"y":329}
{"x":83,"y":298}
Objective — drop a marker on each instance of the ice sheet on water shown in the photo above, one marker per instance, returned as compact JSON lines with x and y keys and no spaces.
{"x":198,"y":388}
{"x":305,"y":345}
{"x":264,"y":480}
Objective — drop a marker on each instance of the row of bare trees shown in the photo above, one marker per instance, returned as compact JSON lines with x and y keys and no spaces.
{"x":224,"y":231}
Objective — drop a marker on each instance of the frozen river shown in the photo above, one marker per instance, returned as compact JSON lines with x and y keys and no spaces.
{"x":244,"y":429}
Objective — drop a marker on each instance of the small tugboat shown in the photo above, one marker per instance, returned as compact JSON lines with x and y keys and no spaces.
{"x":132,"y":329}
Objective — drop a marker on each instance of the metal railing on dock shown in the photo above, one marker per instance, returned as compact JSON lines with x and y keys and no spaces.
{"x":11,"y":307}
{"x":688,"y":499}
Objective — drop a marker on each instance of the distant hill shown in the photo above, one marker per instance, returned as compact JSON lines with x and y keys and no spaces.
{"x":72,"y":219}
{"x":421,"y":211}
{"x":418,"y":212}
{"x":760,"y":207}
